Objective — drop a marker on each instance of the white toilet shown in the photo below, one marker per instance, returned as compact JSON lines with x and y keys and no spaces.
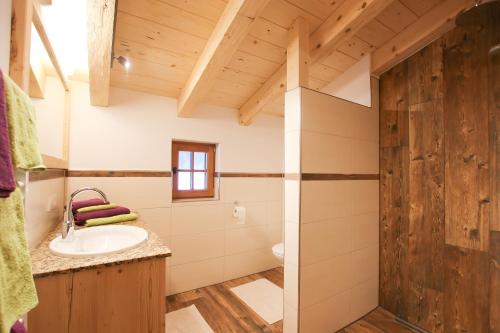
{"x":279,"y":251}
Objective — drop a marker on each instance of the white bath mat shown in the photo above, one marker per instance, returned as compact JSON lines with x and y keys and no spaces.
{"x":263,"y":297}
{"x":186,"y":320}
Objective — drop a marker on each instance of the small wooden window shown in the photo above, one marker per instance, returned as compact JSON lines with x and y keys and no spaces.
{"x":193,"y":167}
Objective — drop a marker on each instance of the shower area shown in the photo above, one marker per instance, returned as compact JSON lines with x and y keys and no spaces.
{"x":439,"y":180}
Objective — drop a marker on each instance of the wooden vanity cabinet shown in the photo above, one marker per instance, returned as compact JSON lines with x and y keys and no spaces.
{"x":119,"y":298}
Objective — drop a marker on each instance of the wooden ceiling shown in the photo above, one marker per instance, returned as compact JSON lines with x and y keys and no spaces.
{"x":163,"y":40}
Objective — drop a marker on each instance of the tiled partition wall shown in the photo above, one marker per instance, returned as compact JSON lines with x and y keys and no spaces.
{"x":331,"y":211}
{"x":208,"y":246}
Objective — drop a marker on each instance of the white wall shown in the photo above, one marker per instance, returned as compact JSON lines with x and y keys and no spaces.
{"x":354,"y":84}
{"x":135,"y":133}
{"x":50,"y":118}
{"x":5,"y":12}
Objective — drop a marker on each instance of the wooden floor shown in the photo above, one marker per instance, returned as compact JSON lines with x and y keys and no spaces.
{"x":377,"y":321}
{"x":223,"y":310}
{"x":226,"y":313}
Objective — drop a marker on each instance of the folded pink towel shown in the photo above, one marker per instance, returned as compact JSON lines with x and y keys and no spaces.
{"x":18,"y":327}
{"x":7,"y":177}
{"x":86,"y":203}
{"x":80,"y":218}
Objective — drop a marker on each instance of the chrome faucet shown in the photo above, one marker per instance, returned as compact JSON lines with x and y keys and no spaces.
{"x":68,"y":227}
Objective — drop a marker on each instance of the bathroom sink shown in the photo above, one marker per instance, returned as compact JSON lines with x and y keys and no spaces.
{"x":101,"y":240}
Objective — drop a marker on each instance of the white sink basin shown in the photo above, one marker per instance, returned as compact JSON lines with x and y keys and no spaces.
{"x":95,"y":241}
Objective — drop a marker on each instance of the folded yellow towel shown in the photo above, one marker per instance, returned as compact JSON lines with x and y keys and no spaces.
{"x":112,"y":219}
{"x":17,"y":288}
{"x":94,"y":208}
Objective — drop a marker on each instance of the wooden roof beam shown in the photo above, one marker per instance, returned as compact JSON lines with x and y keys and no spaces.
{"x":100,"y":26}
{"x":235,"y":23}
{"x":339,"y":27}
{"x":419,"y":34}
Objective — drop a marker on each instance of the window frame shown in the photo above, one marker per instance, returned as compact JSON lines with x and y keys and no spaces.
{"x":193,"y":147}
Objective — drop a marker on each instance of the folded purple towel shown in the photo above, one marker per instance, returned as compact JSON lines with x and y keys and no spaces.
{"x":18,"y":327}
{"x":7,"y":177}
{"x":80,"y":218}
{"x":87,"y":203}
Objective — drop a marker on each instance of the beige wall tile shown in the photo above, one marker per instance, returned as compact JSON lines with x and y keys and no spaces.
{"x":243,"y":264}
{"x":274,"y":189}
{"x":292,"y":201}
{"x":190,"y":248}
{"x":366,"y":125}
{"x":365,"y":196}
{"x":244,"y":190}
{"x":292,"y":152}
{"x":291,"y":242}
{"x":290,"y":319}
{"x":132,"y":192}
{"x":44,"y":201}
{"x":274,"y":213}
{"x":292,"y":109}
{"x":195,"y":275}
{"x":322,"y":200}
{"x":325,"y":279}
{"x":324,"y":153}
{"x":365,"y":157}
{"x":191,"y":219}
{"x":327,"y":114}
{"x":246,"y":239}
{"x":327,"y":316}
{"x":256,"y":214}
{"x":159,"y":220}
{"x":365,"y":230}
{"x":364,"y":298}
{"x":365,"y":264}
{"x":291,"y":285}
{"x":324,"y":240}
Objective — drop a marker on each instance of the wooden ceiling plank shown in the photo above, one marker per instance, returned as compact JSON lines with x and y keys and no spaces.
{"x":339,"y":61}
{"x":235,"y":23}
{"x":356,"y":48}
{"x":251,"y":64}
{"x":427,"y":28}
{"x":297,"y":55}
{"x":210,"y":9}
{"x":100,"y":22}
{"x":319,"y":8}
{"x":168,"y":15}
{"x":270,"y":32}
{"x":263,"y":49}
{"x":420,"y":7}
{"x":22,"y":13}
{"x":284,"y":13}
{"x":375,"y":33}
{"x":397,"y":16}
{"x":341,"y":26}
{"x":156,"y":35}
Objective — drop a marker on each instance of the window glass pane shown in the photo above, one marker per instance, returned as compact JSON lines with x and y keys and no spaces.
{"x":200,"y":161}
{"x":184,"y":160}
{"x":200,"y":180}
{"x":183,"y":180}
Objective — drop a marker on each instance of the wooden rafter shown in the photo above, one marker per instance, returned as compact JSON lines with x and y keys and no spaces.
{"x":100,"y":25}
{"x":297,"y":55}
{"x":426,"y":29}
{"x":339,"y":27}
{"x":22,"y":13}
{"x":37,"y":22}
{"x":235,"y":23}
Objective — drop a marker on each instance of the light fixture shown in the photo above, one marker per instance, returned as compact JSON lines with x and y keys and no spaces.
{"x":123,"y":61}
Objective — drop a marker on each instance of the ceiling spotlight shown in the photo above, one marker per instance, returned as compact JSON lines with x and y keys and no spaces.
{"x":123,"y":61}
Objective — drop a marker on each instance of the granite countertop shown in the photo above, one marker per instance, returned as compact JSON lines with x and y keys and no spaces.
{"x":44,"y":262}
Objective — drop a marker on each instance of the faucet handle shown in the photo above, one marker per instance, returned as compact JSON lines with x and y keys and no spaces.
{"x":68,"y":231}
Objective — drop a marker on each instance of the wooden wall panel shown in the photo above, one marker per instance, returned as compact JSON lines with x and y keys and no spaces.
{"x":495,"y":282}
{"x":467,"y":134}
{"x":394,"y":191}
{"x":466,"y":290}
{"x":438,"y":267}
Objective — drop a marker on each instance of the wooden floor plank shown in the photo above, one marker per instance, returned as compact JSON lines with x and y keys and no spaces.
{"x":223,"y":310}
